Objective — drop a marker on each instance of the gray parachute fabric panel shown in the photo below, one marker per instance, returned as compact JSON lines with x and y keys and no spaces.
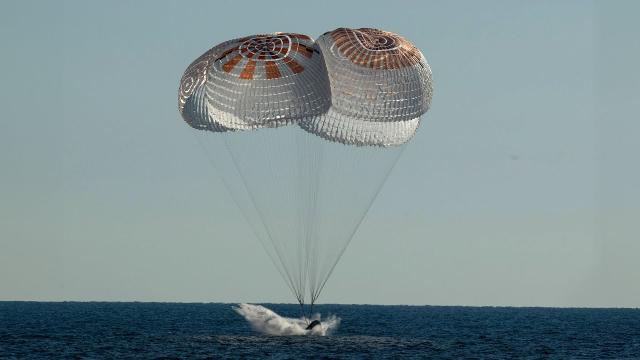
{"x":268,"y":81}
{"x":341,"y":128}
{"x":195,"y":109}
{"x":191,"y":93}
{"x":380,"y":86}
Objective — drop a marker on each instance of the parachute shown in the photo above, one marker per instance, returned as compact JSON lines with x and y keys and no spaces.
{"x":304,"y":134}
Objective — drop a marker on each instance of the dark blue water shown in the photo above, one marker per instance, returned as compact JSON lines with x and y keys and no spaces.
{"x":164,"y":330}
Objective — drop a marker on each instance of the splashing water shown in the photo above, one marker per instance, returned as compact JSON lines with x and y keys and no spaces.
{"x":268,"y":322}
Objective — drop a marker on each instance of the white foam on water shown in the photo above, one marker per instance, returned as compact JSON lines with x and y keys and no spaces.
{"x":268,"y":322}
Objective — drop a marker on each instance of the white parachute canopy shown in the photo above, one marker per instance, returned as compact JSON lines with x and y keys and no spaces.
{"x":304,"y":135}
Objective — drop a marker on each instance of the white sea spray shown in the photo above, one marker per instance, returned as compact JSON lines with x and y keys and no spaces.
{"x":268,"y":322}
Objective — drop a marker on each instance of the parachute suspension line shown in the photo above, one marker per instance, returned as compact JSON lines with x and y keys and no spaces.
{"x":297,"y":195}
{"x":313,"y":159}
{"x":229,"y":188}
{"x":288,"y":279}
{"x":311,"y":250}
{"x":293,"y":225}
{"x":303,"y":175}
{"x":315,"y":251}
{"x":276,"y":152}
{"x":316,"y":293}
{"x":301,"y":214}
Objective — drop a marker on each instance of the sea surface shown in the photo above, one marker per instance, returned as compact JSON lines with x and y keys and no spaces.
{"x":215,"y":331}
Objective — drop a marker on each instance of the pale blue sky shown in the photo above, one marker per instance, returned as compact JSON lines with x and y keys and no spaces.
{"x":520,"y":188}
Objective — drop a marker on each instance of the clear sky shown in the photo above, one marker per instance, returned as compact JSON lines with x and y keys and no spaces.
{"x":520,"y":188}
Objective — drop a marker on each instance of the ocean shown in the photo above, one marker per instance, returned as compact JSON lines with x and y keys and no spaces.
{"x":90,"y":330}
